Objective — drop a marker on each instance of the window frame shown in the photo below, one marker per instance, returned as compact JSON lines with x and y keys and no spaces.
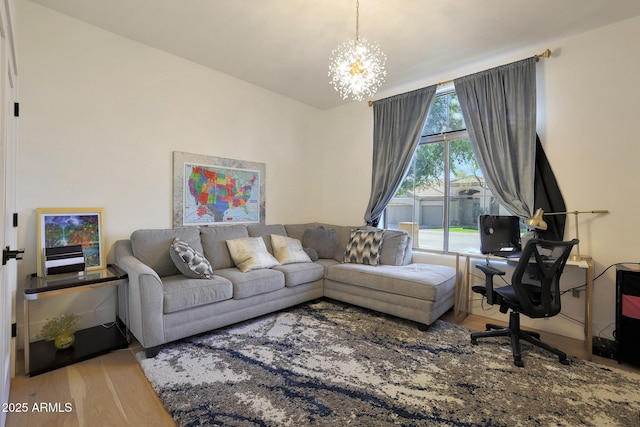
{"x":444,"y":138}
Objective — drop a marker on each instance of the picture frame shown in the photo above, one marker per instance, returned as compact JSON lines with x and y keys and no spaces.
{"x":216,"y":190}
{"x":58,"y":227}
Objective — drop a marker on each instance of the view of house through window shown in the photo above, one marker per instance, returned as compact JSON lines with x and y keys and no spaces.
{"x":444,"y":191}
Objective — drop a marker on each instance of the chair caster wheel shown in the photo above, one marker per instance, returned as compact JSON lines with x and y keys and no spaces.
{"x":474,"y":342}
{"x":518,"y":363}
{"x":565,"y":361}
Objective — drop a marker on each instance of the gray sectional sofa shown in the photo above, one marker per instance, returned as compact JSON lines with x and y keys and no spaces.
{"x":227,"y":277}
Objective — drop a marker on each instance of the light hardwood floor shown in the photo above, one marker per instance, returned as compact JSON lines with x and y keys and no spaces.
{"x":111,"y":390}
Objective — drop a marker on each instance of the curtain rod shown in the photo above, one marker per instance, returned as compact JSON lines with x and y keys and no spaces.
{"x":545,"y":54}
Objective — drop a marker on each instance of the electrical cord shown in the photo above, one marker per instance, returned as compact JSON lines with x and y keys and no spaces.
{"x":579,"y":288}
{"x":95,"y":313}
{"x":583,"y":286}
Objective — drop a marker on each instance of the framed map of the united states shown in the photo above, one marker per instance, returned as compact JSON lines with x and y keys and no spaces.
{"x":215,"y":190}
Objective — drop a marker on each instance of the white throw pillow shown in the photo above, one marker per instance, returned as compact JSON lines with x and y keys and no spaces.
{"x":250,"y":253}
{"x":288,"y":250}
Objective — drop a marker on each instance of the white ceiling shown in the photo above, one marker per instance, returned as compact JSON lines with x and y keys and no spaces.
{"x":285,"y":45}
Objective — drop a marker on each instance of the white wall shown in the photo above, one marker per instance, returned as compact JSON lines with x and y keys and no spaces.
{"x":101,"y":115}
{"x":589,"y":132}
{"x":344,"y":144}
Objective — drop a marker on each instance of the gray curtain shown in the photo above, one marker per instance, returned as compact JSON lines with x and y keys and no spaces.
{"x":397,"y":125}
{"x":499,"y":109}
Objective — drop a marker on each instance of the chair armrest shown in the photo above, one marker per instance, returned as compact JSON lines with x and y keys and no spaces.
{"x":489,"y":272}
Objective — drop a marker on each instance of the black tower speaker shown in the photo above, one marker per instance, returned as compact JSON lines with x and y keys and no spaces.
{"x":628,"y":313}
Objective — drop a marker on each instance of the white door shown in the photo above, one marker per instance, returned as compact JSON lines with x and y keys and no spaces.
{"x":10,"y":223}
{"x":6,"y":298}
{"x":8,"y":231}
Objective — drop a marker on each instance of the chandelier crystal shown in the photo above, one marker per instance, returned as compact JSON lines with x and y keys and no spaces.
{"x":356,"y":67}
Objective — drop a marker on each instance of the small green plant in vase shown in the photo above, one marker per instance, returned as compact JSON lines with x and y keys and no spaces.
{"x":61,"y":330}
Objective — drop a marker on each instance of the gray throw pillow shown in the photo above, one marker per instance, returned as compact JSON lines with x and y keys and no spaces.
{"x":393,"y":251}
{"x":313,"y":254}
{"x":323,"y":240}
{"x":190,"y":262}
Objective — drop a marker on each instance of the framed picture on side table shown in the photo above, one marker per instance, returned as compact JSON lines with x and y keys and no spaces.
{"x":58,"y":227}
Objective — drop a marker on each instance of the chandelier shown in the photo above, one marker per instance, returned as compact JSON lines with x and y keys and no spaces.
{"x":356,"y":67}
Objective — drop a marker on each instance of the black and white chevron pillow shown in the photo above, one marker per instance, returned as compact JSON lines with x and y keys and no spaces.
{"x":364,"y":247}
{"x":189,"y":261}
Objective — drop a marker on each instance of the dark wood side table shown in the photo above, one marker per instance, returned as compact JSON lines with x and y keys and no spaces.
{"x":42,"y":356}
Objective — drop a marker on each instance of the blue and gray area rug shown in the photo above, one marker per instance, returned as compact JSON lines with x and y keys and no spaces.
{"x":328,"y":364}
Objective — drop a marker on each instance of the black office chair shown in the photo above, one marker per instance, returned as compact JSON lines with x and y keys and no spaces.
{"x":534,"y":292}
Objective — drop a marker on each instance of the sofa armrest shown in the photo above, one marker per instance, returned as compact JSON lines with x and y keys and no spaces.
{"x":145,"y":298}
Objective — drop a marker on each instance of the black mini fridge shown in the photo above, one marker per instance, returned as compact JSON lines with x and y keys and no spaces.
{"x":628,"y":313}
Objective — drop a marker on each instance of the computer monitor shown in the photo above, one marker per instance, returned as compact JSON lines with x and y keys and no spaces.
{"x":499,"y":234}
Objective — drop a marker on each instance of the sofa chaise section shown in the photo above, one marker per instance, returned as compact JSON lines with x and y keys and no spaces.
{"x":418,"y":292}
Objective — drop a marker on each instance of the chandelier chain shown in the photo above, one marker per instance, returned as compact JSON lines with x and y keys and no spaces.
{"x":357,"y":21}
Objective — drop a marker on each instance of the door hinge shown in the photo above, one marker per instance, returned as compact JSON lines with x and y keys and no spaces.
{"x":14,"y":330}
{"x":15,"y":220}
{"x":16,"y":109}
{"x":8,"y":254}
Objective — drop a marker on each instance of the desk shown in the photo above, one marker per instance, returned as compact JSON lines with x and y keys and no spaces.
{"x":41,"y":356}
{"x":587,"y":265}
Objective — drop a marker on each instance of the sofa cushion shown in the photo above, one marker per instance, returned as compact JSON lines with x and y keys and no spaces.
{"x":190,"y":262}
{"x":181,"y":293}
{"x":287,"y":250}
{"x":408,"y":252}
{"x":344,"y":236}
{"x":364,"y":247}
{"x":301,"y":273}
{"x":394,"y":247}
{"x":265,"y":231}
{"x":422,"y":281}
{"x":323,"y":240}
{"x":250,"y":253}
{"x":214,"y":243}
{"x":296,"y":231}
{"x":252,"y":282}
{"x":152,"y":247}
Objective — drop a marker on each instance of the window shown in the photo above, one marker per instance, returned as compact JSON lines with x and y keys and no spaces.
{"x":444,"y":192}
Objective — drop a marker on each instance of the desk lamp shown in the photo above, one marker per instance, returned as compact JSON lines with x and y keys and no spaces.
{"x":537,"y":221}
